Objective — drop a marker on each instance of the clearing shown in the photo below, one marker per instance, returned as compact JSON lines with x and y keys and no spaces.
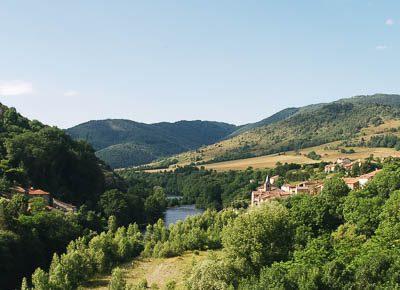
{"x":155,"y":270}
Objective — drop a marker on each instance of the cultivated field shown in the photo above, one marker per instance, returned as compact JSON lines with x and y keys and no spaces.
{"x":156,"y":271}
{"x":270,"y":161}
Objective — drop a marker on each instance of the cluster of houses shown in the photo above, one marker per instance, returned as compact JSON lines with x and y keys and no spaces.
{"x":51,"y":202}
{"x":344,"y":163}
{"x":269,"y":191}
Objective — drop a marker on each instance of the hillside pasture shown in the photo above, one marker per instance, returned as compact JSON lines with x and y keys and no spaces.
{"x":328,"y":155}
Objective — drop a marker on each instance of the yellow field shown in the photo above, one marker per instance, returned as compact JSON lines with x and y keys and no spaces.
{"x":155,"y":271}
{"x":270,"y":161}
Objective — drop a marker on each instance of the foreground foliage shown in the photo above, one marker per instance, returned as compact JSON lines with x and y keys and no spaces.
{"x":338,"y":241}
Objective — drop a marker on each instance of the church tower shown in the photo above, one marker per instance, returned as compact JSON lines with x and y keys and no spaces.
{"x":267,"y":184}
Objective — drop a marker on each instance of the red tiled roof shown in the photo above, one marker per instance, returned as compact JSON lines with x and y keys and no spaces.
{"x":274,"y":193}
{"x":350,"y":180}
{"x":37,"y":192}
{"x":371,"y":174}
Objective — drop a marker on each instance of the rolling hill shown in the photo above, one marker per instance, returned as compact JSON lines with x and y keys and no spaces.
{"x":123,"y":143}
{"x":345,"y":120}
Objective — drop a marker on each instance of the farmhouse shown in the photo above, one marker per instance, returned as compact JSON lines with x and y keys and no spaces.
{"x":51,"y":202}
{"x":266,"y":193}
{"x":289,"y":188}
{"x":352,"y":183}
{"x":344,"y":163}
{"x":31,"y":193}
{"x":310,"y":187}
{"x":363,"y":179}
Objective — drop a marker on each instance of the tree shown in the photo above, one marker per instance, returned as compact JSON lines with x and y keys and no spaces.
{"x":389,"y":227}
{"x":24,"y":284}
{"x":112,"y":224}
{"x":210,"y":275}
{"x":335,"y":187}
{"x":258,"y":238}
{"x":117,"y":281}
{"x":40,"y":280}
{"x":114,"y":203}
{"x":37,"y":204}
{"x":155,"y":204}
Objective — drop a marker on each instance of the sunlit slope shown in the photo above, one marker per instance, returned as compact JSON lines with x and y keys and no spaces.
{"x":345,"y":120}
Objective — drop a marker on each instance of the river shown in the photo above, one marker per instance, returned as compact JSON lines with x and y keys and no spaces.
{"x":178,"y":213}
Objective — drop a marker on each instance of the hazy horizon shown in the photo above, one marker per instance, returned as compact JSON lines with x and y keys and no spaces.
{"x":234,"y":62}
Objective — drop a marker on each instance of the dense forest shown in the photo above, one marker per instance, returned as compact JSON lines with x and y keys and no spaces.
{"x":43,"y":157}
{"x":340,"y":239}
{"x":124,"y":143}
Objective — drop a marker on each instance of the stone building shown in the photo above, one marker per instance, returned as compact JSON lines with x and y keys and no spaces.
{"x":267,"y":192}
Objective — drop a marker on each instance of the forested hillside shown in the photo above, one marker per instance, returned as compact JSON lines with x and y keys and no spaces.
{"x":123,"y":143}
{"x":281,"y":115}
{"x":308,"y":126}
{"x":46,"y":158}
{"x":33,"y":154}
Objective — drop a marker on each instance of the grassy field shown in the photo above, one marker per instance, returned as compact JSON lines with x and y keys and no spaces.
{"x":269,"y":161}
{"x":156,"y":271}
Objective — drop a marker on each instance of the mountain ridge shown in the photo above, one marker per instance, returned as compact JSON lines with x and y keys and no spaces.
{"x":133,"y":143}
{"x":122,"y":142}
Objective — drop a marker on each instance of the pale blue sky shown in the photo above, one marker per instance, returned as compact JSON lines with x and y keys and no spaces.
{"x":66,"y":62}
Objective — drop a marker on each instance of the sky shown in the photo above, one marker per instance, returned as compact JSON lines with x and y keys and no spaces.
{"x":67,"y":62}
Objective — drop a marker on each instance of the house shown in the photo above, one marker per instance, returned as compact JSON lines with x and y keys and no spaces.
{"x":344,"y":163}
{"x":289,"y":188}
{"x":330,"y":168}
{"x":267,"y":192}
{"x":309,"y":187}
{"x":352,"y":183}
{"x":52,"y":203}
{"x":363,"y":179}
{"x":31,"y":193}
{"x":312,"y":187}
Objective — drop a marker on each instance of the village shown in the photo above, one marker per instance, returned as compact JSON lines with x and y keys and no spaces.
{"x":269,"y":190}
{"x":51,"y":202}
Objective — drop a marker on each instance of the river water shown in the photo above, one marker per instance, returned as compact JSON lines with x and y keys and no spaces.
{"x":178,"y":213}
